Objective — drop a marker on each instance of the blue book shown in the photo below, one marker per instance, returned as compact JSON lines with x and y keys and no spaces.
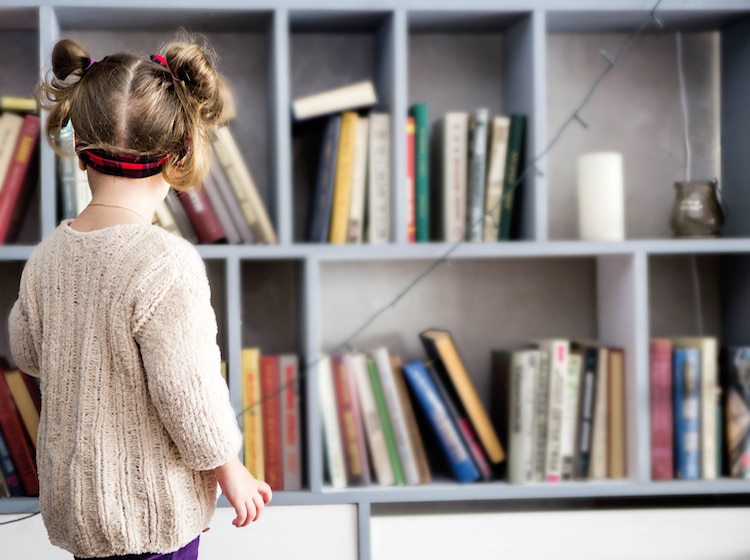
{"x":687,"y":406}
{"x":8,"y":469}
{"x":320,"y":211}
{"x":431,"y":404}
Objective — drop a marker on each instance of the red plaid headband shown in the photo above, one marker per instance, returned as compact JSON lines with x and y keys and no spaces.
{"x":123,"y":165}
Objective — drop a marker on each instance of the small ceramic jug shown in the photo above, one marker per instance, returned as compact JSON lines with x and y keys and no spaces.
{"x":697,"y":210}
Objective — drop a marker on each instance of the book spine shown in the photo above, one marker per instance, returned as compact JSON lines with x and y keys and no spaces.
{"x":342,"y":190}
{"x":10,"y":128}
{"x":228,"y":199}
{"x":222,"y":210}
{"x":24,"y":403}
{"x":617,"y":460}
{"x":271,"y":410}
{"x":523,"y":378}
{"x":709,"y":398}
{"x":352,"y":438}
{"x":662,"y":431}
{"x":411,"y":195}
{"x":420,"y":112}
{"x":599,"y":437}
{"x":15,"y":439}
{"x":252,"y":416}
{"x":586,"y":404}
{"x":385,"y":418}
{"x":17,"y":187}
{"x":291,"y":431}
{"x":359,"y":182}
{"x":332,"y":433}
{"x":512,"y":172}
{"x":207,"y":226}
{"x":686,"y":398}
{"x":559,"y":355}
{"x":454,"y":175}
{"x":497,"y":153}
{"x":180,"y":216}
{"x":320,"y":209}
{"x":379,"y":180}
{"x":541,"y":398}
{"x":569,"y":414}
{"x":434,"y":409}
{"x":736,"y":405}
{"x":9,"y":470}
{"x":477,"y":175}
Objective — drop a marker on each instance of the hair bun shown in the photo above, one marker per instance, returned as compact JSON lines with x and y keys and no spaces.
{"x":69,"y":58}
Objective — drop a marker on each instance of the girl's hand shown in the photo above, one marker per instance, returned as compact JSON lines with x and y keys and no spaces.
{"x":247,"y":495}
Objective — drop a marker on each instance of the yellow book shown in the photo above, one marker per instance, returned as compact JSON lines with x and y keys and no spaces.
{"x":252,"y":418}
{"x":18,"y":104}
{"x":342,"y":188}
{"x":24,"y":402}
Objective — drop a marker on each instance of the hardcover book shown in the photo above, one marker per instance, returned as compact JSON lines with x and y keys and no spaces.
{"x":686,"y":397}
{"x":736,"y":390}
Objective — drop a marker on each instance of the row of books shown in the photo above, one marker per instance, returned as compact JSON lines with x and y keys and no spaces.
{"x":20,"y":406}
{"x":227,"y":209}
{"x":391,"y":423}
{"x":271,"y":418}
{"x":700,"y":409}
{"x":19,"y":169}
{"x":559,"y":408}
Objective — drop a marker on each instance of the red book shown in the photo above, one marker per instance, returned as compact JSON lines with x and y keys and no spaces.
{"x":15,"y":439}
{"x":662,"y":420}
{"x":270,"y":392}
{"x":411,"y":167}
{"x":350,"y":422}
{"x":291,"y":431}
{"x":202,"y":216}
{"x":20,"y":179}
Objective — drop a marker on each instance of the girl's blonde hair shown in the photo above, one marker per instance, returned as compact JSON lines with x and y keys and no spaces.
{"x":124,"y":104}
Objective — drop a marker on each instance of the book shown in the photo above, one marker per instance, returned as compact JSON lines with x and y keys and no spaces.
{"x":270,"y":393}
{"x":218,"y":182}
{"x":396,"y":413}
{"x":252,"y":416}
{"x":163,"y":217}
{"x":345,"y":98}
{"x":709,"y":351}
{"x":432,"y":406}
{"x":420,"y":113}
{"x":16,"y":440}
{"x":24,"y":401}
{"x":374,"y":431}
{"x":18,"y":104}
{"x":686,"y":376}
{"x":569,"y":416}
{"x":21,"y":178}
{"x":541,"y":410}
{"x":4,"y":489}
{"x":239,"y":177}
{"x":334,"y":451}
{"x":355,"y":231}
{"x":411,"y":165}
{"x":558,"y":350}
{"x":291,"y":421}
{"x":514,"y":382}
{"x":513,"y":164}
{"x":450,"y":141}
{"x":378,"y":225}
{"x":440,"y":346}
{"x":350,"y":422}
{"x":617,"y":458}
{"x":320,"y":209}
{"x":342,"y":188}
{"x":660,"y":404}
{"x":385,"y":418}
{"x":10,"y":129}
{"x":8,"y":469}
{"x":415,"y":438}
{"x":180,"y":216}
{"x":735,"y":382}
{"x":221,"y":209}
{"x":585,"y":413}
{"x":496,"y":155}
{"x":202,"y":216}
{"x":477,"y":169}
{"x":599,"y":437}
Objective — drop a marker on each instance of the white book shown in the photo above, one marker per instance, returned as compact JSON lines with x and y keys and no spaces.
{"x":541,"y":408}
{"x":230,"y":201}
{"x":10,"y":128}
{"x":477,"y":174}
{"x":373,"y":425}
{"x":498,"y":150}
{"x":558,"y":350}
{"x":221,"y":210}
{"x":331,"y":430}
{"x":165,"y":219}
{"x":601,"y":411}
{"x":352,"y":96}
{"x":569,"y":423}
{"x":521,"y":424}
{"x":396,"y":413}
{"x":359,"y":182}
{"x":453,"y":176}
{"x":379,"y":180}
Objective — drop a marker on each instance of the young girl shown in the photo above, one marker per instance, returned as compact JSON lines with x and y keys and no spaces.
{"x":114,"y":316}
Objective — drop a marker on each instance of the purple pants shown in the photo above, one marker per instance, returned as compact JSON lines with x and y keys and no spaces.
{"x":187,"y":552}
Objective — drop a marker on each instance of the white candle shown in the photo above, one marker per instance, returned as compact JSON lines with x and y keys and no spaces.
{"x":601,"y":202}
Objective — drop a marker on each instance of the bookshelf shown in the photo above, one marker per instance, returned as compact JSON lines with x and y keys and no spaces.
{"x":526,"y":56}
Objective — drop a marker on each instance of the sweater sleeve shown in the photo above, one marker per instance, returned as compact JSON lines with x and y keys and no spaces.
{"x":175,"y":327}
{"x":22,"y":345}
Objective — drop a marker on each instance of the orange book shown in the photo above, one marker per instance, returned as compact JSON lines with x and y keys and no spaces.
{"x":252,"y":417}
{"x":24,"y":402}
{"x":271,"y":410}
{"x":411,"y":170}
{"x":15,"y":439}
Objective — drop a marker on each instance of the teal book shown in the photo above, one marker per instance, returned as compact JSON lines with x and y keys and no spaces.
{"x":513,"y":164}
{"x":422,"y":178}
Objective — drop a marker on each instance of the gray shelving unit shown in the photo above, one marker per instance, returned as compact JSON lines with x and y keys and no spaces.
{"x":529,"y":56}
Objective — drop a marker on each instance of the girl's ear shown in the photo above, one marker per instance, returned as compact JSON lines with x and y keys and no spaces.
{"x":81,"y":165}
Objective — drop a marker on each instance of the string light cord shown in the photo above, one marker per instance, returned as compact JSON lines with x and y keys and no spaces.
{"x":347,"y":344}
{"x":17,"y":519}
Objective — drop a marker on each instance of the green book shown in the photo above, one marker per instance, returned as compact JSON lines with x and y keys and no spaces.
{"x":422,"y":160}
{"x":386,"y":420}
{"x":512,"y":171}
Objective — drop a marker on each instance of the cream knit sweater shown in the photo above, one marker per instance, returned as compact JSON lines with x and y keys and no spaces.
{"x":118,"y":325}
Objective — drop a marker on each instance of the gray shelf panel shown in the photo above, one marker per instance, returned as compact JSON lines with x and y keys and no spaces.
{"x":10,"y":253}
{"x":19,"y":506}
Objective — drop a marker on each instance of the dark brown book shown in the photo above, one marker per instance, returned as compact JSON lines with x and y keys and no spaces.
{"x":202,"y":216}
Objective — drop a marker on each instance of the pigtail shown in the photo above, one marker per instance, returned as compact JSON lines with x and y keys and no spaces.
{"x":69,"y":62}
